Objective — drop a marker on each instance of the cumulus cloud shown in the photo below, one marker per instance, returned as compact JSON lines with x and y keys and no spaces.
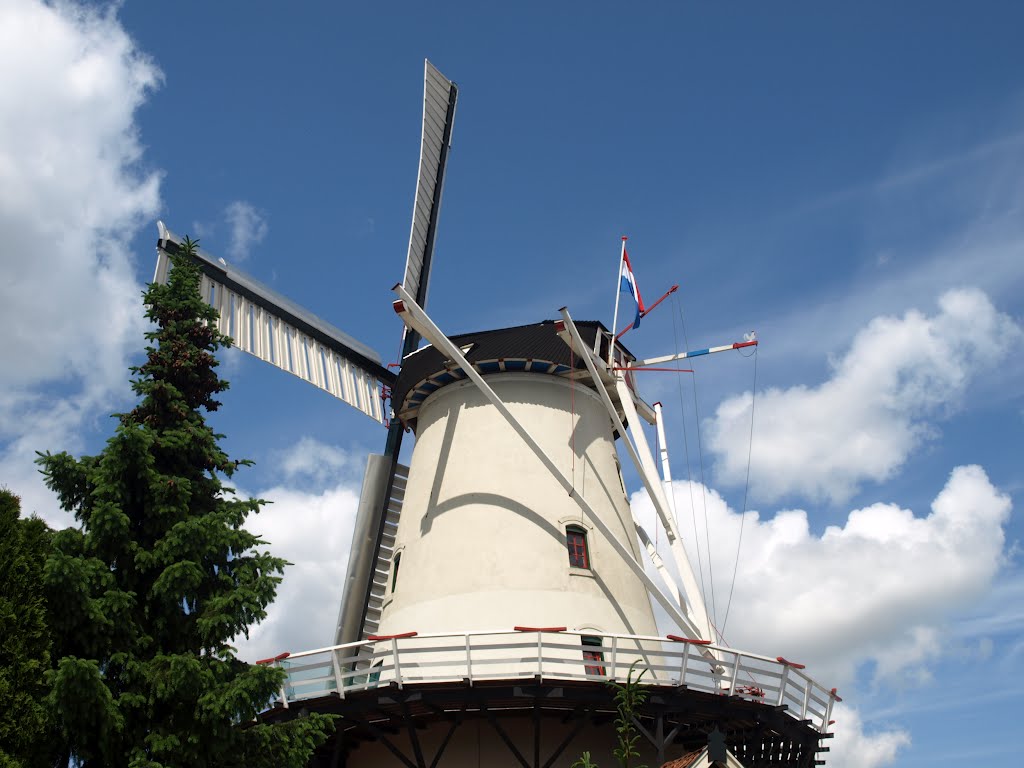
{"x":248,"y":228}
{"x":309,"y":522}
{"x":853,"y":747}
{"x":313,"y":531}
{"x":878,"y":590}
{"x":73,"y":190}
{"x":899,"y":376}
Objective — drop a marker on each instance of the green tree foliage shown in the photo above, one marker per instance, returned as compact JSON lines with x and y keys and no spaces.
{"x":629,"y":697}
{"x":149,"y":590}
{"x":24,"y":636}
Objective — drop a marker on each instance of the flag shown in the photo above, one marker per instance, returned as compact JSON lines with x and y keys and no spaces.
{"x":627,"y":282}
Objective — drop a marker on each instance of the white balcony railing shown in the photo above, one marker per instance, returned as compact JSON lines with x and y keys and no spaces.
{"x":552,"y":654}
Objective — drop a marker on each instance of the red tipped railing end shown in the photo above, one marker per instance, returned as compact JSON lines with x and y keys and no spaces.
{"x":375,"y":638}
{"x":678,"y":639}
{"x":792,"y":664}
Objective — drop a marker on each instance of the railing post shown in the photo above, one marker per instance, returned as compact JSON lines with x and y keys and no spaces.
{"x":284,"y":684}
{"x":540,"y":649}
{"x":735,"y":673}
{"x":540,"y":655}
{"x":782,"y":685}
{"x":615,"y":655}
{"x":469,"y":661}
{"x":785,"y":680}
{"x":826,"y":721}
{"x":398,"y":667}
{"x":275,"y":661}
{"x":687,"y":642}
{"x":338,"y":682}
{"x":807,"y":698}
{"x":394,"y":649}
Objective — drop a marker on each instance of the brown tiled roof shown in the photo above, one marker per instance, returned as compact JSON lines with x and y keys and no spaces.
{"x":685,"y":761}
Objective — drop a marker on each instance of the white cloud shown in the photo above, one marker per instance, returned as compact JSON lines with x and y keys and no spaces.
{"x":72,"y":193}
{"x":312,"y":461}
{"x":899,"y":375}
{"x":852,"y":747}
{"x":313,"y":531}
{"x":248,"y":228}
{"x":875,"y":591}
{"x":309,"y":523}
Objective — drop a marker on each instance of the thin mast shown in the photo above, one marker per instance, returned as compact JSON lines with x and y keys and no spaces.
{"x":618,"y":293}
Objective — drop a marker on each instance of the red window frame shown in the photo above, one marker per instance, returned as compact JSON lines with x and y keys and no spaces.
{"x":593,"y":655}
{"x":576,"y":544}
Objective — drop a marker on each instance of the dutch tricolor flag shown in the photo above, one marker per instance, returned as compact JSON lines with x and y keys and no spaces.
{"x":627,"y":282}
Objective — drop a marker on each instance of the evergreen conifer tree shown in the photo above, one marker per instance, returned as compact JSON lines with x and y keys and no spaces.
{"x":24,"y":637}
{"x":149,"y":590}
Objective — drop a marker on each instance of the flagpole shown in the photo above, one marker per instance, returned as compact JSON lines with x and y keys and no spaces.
{"x":618,"y":293}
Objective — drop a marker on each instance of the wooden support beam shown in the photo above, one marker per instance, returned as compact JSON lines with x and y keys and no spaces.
{"x":580,"y":723}
{"x":382,"y":737}
{"x":504,"y":736}
{"x":410,"y":725}
{"x":456,"y":722}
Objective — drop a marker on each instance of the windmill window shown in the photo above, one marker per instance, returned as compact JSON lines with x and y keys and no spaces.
{"x":592,"y":652}
{"x":576,"y":542}
{"x":394,"y":571}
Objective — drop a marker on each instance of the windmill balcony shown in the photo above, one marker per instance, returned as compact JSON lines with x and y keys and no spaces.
{"x":552,"y":654}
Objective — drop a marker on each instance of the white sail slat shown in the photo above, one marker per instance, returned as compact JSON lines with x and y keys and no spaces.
{"x":223,"y":307}
{"x":332,"y":372}
{"x":259,"y":332}
{"x":205,"y":286}
{"x":163,"y":266}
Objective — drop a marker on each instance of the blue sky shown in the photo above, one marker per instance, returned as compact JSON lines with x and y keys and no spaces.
{"x":845,"y":180}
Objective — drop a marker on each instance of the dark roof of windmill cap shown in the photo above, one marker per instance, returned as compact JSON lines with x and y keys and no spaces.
{"x":535,"y":348}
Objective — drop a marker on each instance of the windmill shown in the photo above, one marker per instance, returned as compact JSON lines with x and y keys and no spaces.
{"x":498,"y":580}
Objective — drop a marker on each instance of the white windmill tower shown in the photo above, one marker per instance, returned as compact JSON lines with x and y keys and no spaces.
{"x":497,"y":583}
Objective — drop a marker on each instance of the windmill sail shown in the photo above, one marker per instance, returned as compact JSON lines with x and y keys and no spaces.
{"x":439,"y":97}
{"x":276,"y":330}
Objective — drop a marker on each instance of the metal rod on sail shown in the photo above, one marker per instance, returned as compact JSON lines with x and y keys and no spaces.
{"x":694,"y":353}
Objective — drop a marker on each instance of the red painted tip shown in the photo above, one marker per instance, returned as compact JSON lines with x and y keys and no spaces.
{"x":624,"y":237}
{"x":279,"y":657}
{"x":399,"y":306}
{"x":375,"y":638}
{"x":836,"y":696}
{"x":792,"y":664}
{"x":678,"y":639}
{"x":540,"y":629}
